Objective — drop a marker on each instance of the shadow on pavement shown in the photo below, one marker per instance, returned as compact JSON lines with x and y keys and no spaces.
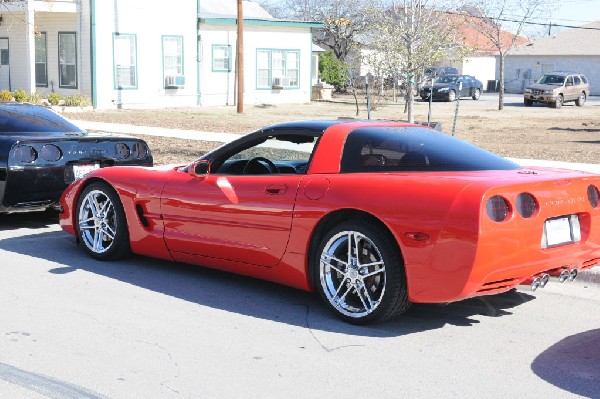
{"x":248,"y":296}
{"x":572,"y":364}
{"x":13,"y":221}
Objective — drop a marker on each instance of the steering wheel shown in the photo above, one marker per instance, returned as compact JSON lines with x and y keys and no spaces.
{"x":265,"y":166}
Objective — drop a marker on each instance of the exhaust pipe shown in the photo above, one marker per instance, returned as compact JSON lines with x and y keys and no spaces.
{"x":544,"y":280}
{"x":563,"y":276}
{"x":535,"y":284}
{"x":573,"y":274}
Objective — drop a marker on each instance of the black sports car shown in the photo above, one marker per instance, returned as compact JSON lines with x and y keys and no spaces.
{"x":42,"y":152}
{"x":447,"y":88}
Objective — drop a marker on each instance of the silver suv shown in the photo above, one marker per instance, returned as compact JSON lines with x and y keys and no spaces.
{"x":557,"y":88}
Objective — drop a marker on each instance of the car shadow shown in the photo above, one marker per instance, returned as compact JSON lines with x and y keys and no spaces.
{"x":13,"y":221}
{"x":572,"y":364}
{"x":252,"y":297}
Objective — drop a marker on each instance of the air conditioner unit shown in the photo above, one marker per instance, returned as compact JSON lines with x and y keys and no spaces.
{"x":174,"y":81}
{"x":281,"y":81}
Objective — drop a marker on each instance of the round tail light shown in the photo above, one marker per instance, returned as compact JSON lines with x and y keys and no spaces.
{"x":25,"y":154}
{"x":50,"y":152}
{"x":526,"y":205}
{"x":122,"y":151}
{"x":593,"y":195}
{"x":139,"y":151}
{"x":497,"y":208}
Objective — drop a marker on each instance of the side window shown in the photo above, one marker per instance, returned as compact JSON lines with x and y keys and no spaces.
{"x":577,"y":80}
{"x":221,"y":58}
{"x":173,"y":60}
{"x":41,"y":60}
{"x":584,"y":79}
{"x":125,"y":61}
{"x":67,"y":60}
{"x":570,"y":81}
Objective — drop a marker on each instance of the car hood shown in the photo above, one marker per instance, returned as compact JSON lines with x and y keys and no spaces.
{"x":540,"y":86}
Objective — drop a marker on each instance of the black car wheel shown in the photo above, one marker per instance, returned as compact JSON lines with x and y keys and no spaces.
{"x":476,"y":94}
{"x":101,"y":223}
{"x":580,"y":100}
{"x":361,"y":275}
{"x":451,"y":95}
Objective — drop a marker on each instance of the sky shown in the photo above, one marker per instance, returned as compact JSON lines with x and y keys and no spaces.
{"x":576,"y":12}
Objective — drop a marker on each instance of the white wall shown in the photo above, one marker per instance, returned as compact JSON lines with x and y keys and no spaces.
{"x":218,"y":88}
{"x":14,"y":28}
{"x":483,"y":68}
{"x":516,"y":66}
{"x":149,"y":22}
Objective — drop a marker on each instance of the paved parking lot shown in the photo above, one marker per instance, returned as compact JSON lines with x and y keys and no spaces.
{"x":73,"y":327}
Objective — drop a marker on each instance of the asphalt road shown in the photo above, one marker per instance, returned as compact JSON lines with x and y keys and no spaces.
{"x":72,"y":327}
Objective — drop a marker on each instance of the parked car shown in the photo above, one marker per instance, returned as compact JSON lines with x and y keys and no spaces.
{"x":372,"y":215}
{"x":41,"y":153}
{"x":451,"y":87}
{"x":557,"y":88}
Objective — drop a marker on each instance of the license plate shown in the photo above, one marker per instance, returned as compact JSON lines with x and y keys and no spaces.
{"x":559,"y":231}
{"x":81,"y":170}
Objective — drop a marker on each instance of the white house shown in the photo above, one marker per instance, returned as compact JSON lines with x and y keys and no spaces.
{"x":571,"y":50}
{"x":132,"y":53}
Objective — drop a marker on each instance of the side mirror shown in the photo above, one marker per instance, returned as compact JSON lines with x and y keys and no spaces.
{"x":199,"y":168}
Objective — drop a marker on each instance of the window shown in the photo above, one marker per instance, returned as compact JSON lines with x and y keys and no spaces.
{"x":125,"y":61}
{"x":221,"y":58}
{"x":277,"y":68}
{"x":41,"y":60}
{"x":172,"y":55}
{"x":67,"y":60}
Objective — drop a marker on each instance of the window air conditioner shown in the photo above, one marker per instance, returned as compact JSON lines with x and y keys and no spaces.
{"x":281,"y":81}
{"x":174,"y":81}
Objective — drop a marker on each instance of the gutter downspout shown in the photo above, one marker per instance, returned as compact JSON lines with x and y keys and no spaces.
{"x":198,"y":48}
{"x":93,"y":52}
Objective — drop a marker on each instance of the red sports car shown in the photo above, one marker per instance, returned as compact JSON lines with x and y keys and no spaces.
{"x":372,"y":215}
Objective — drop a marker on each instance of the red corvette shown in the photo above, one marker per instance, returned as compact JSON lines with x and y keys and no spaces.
{"x":372,"y":215}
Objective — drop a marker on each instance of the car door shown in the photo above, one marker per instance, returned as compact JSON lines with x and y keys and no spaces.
{"x":570,"y":90}
{"x":238,"y":218}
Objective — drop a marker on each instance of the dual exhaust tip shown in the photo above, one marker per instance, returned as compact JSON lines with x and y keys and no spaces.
{"x":543,"y":279}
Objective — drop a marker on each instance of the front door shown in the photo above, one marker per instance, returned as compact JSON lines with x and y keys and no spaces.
{"x":238,"y":218}
{"x":4,"y":65}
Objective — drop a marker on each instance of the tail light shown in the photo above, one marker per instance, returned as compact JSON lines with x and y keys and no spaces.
{"x":497,"y":208}
{"x":593,"y":195}
{"x":25,"y":153}
{"x":527,"y":206}
{"x":50,"y":152}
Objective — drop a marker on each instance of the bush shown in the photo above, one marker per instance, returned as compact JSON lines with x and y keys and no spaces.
{"x":78,"y":100}
{"x":53,"y":98}
{"x":6,"y":95}
{"x":332,"y":70}
{"x":35,"y":98}
{"x":20,"y":95}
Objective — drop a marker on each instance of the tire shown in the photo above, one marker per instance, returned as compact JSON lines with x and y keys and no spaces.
{"x":101,"y":224}
{"x":528,"y":103}
{"x":581,"y":99}
{"x":451,"y":95}
{"x":361,"y":294}
{"x":559,"y":102}
{"x":476,"y":94}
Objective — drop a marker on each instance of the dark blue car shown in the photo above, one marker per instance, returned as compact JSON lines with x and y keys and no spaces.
{"x":446,"y":88}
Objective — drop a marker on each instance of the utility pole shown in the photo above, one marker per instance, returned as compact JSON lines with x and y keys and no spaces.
{"x":239,"y":57}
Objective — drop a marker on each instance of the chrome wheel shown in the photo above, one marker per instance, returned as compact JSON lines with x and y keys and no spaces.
{"x":97,"y":221}
{"x":452,"y":95}
{"x":352,"y":274}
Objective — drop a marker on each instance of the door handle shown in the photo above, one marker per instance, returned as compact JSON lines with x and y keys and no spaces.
{"x":275,"y":189}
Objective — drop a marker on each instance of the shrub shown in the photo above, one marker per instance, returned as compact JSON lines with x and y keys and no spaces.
{"x":53,"y":98}
{"x":20,"y":95}
{"x":6,"y":95}
{"x":35,"y":98}
{"x":78,"y":100}
{"x":332,"y":70}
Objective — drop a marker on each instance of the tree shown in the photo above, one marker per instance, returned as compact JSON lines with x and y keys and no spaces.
{"x":487,"y":17}
{"x":332,"y":70}
{"x":343,"y":20}
{"x":409,"y":35}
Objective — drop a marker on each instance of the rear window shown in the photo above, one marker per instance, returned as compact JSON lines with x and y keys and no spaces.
{"x":29,"y":118}
{"x":584,"y":79}
{"x":405,"y":149}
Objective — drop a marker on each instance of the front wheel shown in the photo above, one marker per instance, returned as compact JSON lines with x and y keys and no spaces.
{"x":361,"y":274}
{"x":559,"y":102}
{"x":101,"y":223}
{"x":476,"y":94}
{"x":451,"y":95}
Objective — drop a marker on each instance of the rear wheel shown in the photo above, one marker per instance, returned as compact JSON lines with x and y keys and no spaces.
{"x":476,"y":94}
{"x":559,"y":102}
{"x":101,"y":224}
{"x":360,"y":273}
{"x":581,"y":99}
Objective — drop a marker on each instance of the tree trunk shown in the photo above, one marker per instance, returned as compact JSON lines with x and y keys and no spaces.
{"x":410,"y":101}
{"x":501,"y":94}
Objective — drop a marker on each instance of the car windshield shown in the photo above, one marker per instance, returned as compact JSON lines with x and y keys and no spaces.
{"x":29,"y":119}
{"x":446,"y":79}
{"x":552,"y":80}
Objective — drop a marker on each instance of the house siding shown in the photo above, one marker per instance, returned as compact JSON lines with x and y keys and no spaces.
{"x":218,"y":88}
{"x":516,"y":68}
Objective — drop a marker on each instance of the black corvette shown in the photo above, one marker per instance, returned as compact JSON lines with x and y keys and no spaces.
{"x":41,"y":153}
{"x":451,"y":87}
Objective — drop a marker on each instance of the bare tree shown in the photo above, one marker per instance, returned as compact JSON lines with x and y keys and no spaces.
{"x":343,"y":20}
{"x":488,"y":17}
{"x":409,"y":35}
